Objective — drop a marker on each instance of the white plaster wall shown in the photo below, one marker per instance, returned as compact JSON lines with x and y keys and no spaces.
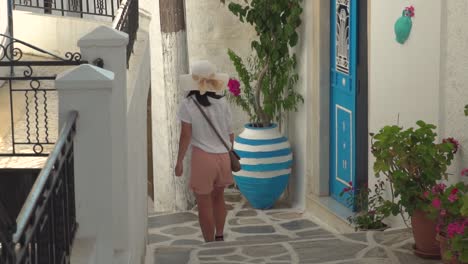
{"x":55,"y":34}
{"x":299,"y":122}
{"x":3,"y":17}
{"x":454,"y":80}
{"x":403,"y":79}
{"x":211,"y":30}
{"x":138,"y":84}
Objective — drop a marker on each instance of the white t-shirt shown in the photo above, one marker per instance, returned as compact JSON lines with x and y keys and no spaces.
{"x":203,"y":135}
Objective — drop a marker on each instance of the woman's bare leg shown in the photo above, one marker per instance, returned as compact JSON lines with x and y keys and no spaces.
{"x":219,"y":210}
{"x":205,"y":216}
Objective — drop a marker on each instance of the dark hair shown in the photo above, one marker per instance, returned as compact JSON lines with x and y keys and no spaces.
{"x":203,"y":99}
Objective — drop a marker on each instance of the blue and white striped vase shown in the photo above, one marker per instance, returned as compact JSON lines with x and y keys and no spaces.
{"x":266,"y":160}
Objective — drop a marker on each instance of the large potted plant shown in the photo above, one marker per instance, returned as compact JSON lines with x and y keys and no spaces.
{"x":414,"y":163}
{"x":268,"y":80}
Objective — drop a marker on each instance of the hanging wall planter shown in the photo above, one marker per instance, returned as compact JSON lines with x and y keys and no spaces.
{"x":404,"y":25}
{"x":266,"y":161}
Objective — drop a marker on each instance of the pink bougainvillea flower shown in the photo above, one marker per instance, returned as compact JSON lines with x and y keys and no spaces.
{"x":234,"y":87}
{"x":436,"y":203}
{"x":345,"y":190}
{"x":464,"y":172}
{"x":454,"y":142}
{"x":443,"y":212}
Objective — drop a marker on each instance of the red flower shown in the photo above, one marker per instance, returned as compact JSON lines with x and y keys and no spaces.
{"x":454,"y":142}
{"x":452,"y":198}
{"x":454,"y":191}
{"x":234,"y":87}
{"x":439,"y":188}
{"x":410,"y":11}
{"x":464,"y":172}
{"x":436,"y":203}
{"x":350,"y":183}
{"x":455,"y":228}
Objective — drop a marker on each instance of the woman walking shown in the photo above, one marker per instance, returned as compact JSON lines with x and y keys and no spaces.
{"x":210,"y":165}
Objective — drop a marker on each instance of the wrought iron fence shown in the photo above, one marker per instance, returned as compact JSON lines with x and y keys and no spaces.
{"x":31,"y":127}
{"x":46,"y":226}
{"x":106,"y":8}
{"x":128,"y":22}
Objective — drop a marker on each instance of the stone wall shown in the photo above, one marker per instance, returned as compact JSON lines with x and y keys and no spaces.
{"x":454,"y":80}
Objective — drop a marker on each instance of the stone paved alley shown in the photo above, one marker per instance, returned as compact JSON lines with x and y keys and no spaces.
{"x":280,"y":236}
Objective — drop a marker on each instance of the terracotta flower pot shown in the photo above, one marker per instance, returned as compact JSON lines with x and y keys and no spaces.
{"x":444,"y":247}
{"x":424,"y":232}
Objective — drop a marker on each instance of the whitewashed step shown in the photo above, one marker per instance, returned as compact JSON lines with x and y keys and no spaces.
{"x":83,"y":251}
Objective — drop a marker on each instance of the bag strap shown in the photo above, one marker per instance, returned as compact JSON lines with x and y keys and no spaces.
{"x":211,"y":124}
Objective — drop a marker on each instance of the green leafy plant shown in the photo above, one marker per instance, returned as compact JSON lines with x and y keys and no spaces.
{"x":269,"y":76}
{"x":412,"y":162}
{"x":371,"y":205}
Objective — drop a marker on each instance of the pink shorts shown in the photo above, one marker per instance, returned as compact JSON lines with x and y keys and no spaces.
{"x":209,"y":171}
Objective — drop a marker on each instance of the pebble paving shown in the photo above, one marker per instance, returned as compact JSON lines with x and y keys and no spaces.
{"x":278,"y":236}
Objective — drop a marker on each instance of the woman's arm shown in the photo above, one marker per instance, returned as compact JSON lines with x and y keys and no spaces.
{"x":184,"y":142}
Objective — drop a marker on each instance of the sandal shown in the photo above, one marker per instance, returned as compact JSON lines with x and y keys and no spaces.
{"x":219,"y":238}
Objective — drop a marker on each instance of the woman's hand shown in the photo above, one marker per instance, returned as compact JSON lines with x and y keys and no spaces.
{"x":179,"y":169}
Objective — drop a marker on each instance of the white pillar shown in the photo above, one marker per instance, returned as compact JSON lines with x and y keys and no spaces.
{"x":110,"y":45}
{"x":88,"y":90}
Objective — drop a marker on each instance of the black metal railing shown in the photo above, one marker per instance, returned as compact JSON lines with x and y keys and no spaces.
{"x":106,"y":8}
{"x":128,"y":22}
{"x":31,"y":127}
{"x":46,"y":226}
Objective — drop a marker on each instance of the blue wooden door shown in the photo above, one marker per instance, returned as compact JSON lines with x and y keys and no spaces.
{"x":343,"y":83}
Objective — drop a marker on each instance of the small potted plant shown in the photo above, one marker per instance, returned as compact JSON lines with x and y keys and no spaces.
{"x":370,"y":206}
{"x":268,"y":91}
{"x":413,"y":163}
{"x":447,"y":206}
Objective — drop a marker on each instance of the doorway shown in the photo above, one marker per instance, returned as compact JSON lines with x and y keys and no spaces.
{"x":348,"y":96}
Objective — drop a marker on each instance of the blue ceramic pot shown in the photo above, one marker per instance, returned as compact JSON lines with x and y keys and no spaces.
{"x":266,"y":160}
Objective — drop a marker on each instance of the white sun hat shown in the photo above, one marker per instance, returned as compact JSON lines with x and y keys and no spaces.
{"x":204,"y":78}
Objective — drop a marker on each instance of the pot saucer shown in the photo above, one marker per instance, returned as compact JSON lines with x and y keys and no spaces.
{"x":425,"y":255}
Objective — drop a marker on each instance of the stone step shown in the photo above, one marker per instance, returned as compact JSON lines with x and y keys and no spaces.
{"x":83,"y":251}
